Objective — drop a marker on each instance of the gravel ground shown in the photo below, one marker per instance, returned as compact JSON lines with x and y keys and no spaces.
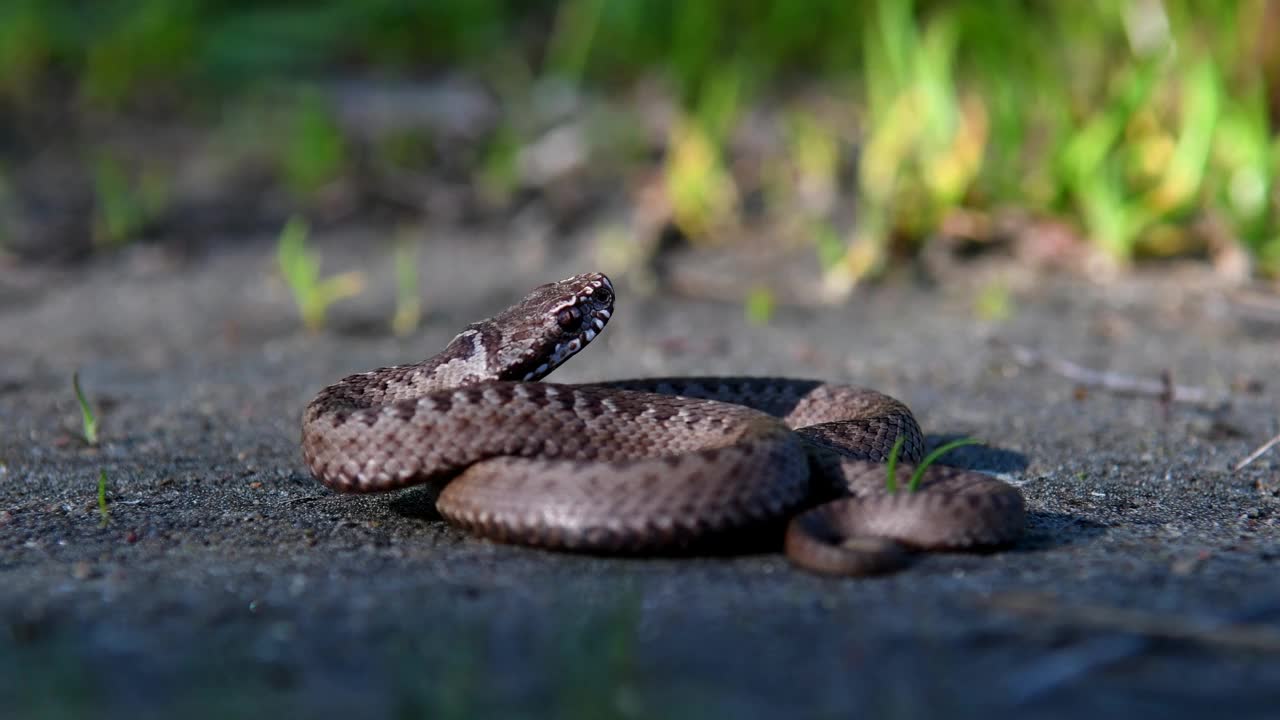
{"x":228,"y":581}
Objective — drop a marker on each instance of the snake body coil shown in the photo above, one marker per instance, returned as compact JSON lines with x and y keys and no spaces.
{"x":643,"y":466}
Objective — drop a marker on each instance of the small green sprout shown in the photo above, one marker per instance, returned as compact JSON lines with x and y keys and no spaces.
{"x":408,"y":301}
{"x":891,"y":482}
{"x":301,"y":270}
{"x":498,"y":174}
{"x":102,"y":497}
{"x":759,"y":306}
{"x":830,"y":246}
{"x":86,"y":413}
{"x":994,"y":303}
{"x":126,"y":202}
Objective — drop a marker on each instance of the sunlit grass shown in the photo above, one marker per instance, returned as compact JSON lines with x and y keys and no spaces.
{"x":701,"y":192}
{"x":1137,"y":120}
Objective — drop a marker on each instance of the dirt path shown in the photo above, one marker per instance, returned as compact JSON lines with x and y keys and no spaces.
{"x":227,"y":580}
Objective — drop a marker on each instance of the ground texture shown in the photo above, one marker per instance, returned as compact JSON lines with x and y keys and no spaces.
{"x":227,"y":581}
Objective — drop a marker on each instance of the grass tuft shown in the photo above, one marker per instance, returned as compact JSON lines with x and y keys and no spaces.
{"x":891,"y":479}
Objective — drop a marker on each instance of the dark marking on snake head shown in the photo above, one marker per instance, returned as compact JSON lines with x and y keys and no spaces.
{"x":490,"y":337}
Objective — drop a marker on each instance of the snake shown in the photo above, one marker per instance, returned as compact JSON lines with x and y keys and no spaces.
{"x":653,"y":466}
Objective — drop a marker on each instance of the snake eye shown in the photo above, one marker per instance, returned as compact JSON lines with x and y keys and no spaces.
{"x":602,"y":295}
{"x":569,"y":317}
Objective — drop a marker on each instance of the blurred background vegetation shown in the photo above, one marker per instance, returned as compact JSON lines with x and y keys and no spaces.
{"x":1097,"y":133}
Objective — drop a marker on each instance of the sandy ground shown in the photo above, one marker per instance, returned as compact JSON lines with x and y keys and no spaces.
{"x":227,"y":580}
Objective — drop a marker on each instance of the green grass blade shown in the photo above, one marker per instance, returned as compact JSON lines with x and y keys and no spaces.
{"x":408,"y":297}
{"x":933,"y":456}
{"x":296,"y":267}
{"x":102,"y":498}
{"x":759,"y":306}
{"x":87,"y":417}
{"x":577,"y":22}
{"x":891,"y":480}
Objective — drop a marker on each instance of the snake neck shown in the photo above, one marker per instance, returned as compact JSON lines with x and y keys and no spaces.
{"x":480,"y":353}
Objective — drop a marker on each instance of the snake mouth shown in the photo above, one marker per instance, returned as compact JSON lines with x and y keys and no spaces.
{"x":560,"y":353}
{"x":598,"y":320}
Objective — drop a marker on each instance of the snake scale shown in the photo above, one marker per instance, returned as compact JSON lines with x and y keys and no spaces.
{"x":644,"y":466}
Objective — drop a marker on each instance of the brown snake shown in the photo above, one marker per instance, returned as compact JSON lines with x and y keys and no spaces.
{"x":644,"y":466}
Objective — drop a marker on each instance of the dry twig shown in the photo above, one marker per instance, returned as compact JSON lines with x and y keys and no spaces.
{"x":1256,"y":453}
{"x":1162,"y":388}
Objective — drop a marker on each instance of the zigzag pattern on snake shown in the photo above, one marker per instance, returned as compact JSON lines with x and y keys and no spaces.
{"x":644,"y":466}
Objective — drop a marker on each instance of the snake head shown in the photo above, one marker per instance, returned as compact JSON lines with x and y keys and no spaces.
{"x":551,"y":324}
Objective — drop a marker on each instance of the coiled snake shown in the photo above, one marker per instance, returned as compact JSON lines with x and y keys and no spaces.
{"x":644,"y":466}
